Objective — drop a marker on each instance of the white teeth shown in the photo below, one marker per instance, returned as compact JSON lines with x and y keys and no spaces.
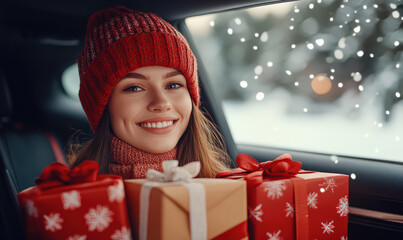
{"x":163,"y":124}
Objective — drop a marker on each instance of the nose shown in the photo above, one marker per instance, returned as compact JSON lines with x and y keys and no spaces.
{"x":159,"y":102}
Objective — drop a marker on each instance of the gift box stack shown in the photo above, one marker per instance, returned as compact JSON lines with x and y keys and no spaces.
{"x":285,"y":202}
{"x":78,"y":204}
{"x":270,"y":200}
{"x":75,"y":204}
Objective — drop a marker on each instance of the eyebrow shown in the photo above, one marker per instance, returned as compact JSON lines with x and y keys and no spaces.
{"x":135,"y":75}
{"x":172,"y":74}
{"x":141,"y":76}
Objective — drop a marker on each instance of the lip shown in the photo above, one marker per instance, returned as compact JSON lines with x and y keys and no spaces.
{"x":158,"y":119}
{"x":160,"y":131}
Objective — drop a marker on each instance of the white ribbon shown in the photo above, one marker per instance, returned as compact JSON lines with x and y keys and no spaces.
{"x":197,"y":196}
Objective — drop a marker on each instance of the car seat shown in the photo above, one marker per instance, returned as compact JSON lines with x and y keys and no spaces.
{"x":24,"y":152}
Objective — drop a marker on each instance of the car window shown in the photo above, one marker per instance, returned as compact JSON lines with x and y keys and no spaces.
{"x":323,"y":76}
{"x":71,"y":81}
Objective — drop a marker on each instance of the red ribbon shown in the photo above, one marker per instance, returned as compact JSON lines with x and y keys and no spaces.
{"x":301,"y":209}
{"x":282,"y":166}
{"x":58,"y":174}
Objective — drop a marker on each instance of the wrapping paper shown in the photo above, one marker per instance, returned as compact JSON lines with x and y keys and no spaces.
{"x":169,"y":209}
{"x":271,"y":207}
{"x":79,"y":211}
{"x":285,"y":202}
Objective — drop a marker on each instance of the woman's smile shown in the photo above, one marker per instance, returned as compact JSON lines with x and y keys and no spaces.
{"x":158,"y":125}
{"x":163,"y":124}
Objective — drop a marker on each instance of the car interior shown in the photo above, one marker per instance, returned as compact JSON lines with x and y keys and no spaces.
{"x":41,"y":40}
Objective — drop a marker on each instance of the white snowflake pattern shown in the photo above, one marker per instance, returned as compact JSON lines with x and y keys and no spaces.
{"x":329,"y":183}
{"x":327,"y":227}
{"x":122,"y":234}
{"x":342,"y":208}
{"x":313,"y":200}
{"x":274,"y":235}
{"x":71,"y":200}
{"x":77,"y":237}
{"x":343,"y":238}
{"x":31,"y":209}
{"x":53,"y":222}
{"x":275,"y":189}
{"x":99,"y":218}
{"x":116,"y":192}
{"x":256,"y":213}
{"x":289,"y":210}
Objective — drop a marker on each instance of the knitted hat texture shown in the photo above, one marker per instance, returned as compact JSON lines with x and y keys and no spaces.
{"x":120,"y":40}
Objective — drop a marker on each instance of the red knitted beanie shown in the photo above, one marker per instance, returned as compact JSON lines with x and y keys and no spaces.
{"x":118,"y":41}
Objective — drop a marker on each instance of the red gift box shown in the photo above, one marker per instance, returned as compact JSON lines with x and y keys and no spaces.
{"x":75,"y":204}
{"x":287,"y":203}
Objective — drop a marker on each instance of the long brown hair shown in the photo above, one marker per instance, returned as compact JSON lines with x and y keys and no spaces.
{"x":98,"y":148}
{"x":201,"y":142}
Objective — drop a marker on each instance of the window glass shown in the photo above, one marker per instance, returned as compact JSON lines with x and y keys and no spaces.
{"x":71,"y":81}
{"x":324,"y":76}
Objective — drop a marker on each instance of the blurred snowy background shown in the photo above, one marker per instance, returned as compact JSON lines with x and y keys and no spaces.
{"x":320,"y":75}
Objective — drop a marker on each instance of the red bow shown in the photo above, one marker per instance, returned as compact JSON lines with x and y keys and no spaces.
{"x":281,"y":166}
{"x":58,"y":174}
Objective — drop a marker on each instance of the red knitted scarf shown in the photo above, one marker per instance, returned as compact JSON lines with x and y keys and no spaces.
{"x":131,"y":162}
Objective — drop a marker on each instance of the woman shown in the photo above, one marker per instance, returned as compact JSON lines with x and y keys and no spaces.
{"x":139,"y":89}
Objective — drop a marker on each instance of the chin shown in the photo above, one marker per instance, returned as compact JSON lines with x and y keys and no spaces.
{"x":157,"y":150}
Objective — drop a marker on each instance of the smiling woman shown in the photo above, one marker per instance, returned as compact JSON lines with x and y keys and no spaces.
{"x":140,"y":93}
{"x":271,"y":65}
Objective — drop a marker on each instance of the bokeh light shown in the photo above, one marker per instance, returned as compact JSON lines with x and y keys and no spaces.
{"x":321,"y":84}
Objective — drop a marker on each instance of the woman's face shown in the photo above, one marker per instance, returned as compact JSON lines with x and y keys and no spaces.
{"x":150,"y":108}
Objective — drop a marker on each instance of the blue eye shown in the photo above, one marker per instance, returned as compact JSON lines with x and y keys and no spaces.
{"x":174,"y":85}
{"x":133,"y":89}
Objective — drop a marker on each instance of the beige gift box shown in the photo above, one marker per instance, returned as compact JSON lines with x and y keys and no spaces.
{"x":168,"y":216}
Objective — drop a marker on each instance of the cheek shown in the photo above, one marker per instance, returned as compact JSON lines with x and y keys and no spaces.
{"x":121,"y":109}
{"x":113,"y":115}
{"x":186,"y":107}
{"x":115,"y":108}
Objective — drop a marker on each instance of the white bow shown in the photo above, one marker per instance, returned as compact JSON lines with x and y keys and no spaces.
{"x":173,"y":173}
{"x":197,"y":196}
